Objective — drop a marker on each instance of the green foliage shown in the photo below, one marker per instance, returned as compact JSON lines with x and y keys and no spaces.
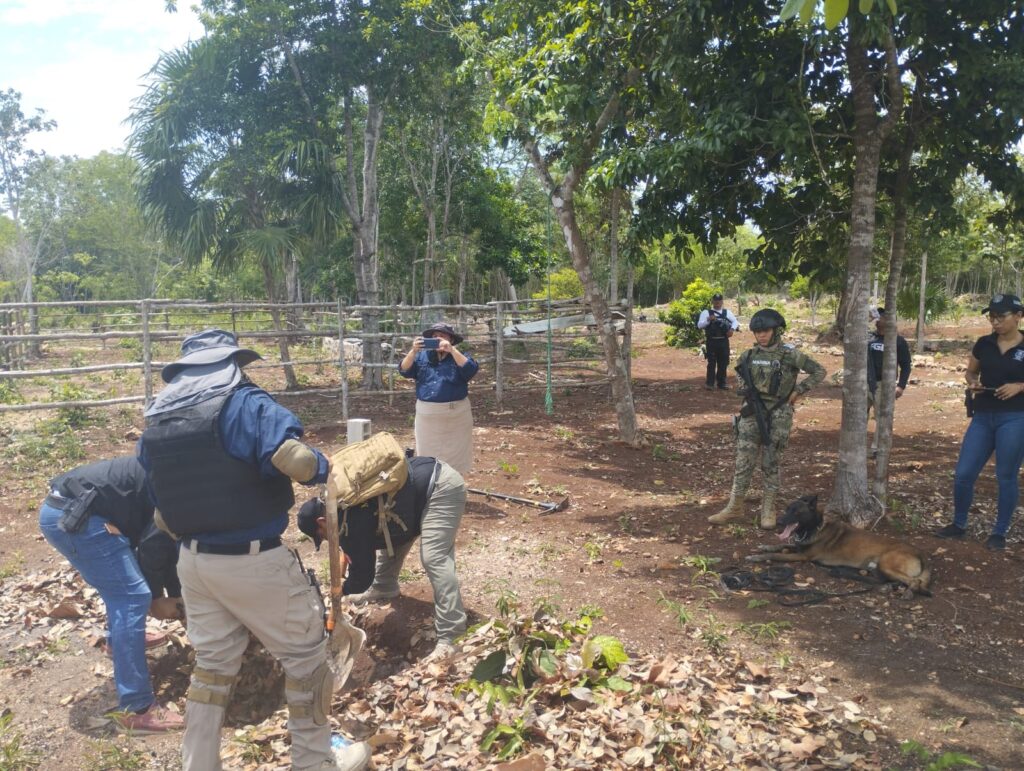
{"x":14,"y":756}
{"x":121,"y":754}
{"x":681,"y":315}
{"x":946,"y":760}
{"x":565,"y":285}
{"x":132,"y":348}
{"x":9,"y":392}
{"x":581,"y":349}
{"x":936,"y":302}
{"x":69,"y":391}
{"x":682,"y":614}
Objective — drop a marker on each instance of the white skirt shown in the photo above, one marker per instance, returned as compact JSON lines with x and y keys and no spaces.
{"x":444,"y":430}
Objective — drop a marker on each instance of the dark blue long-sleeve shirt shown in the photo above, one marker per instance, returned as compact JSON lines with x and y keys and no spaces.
{"x":252,"y":427}
{"x":440,"y":380}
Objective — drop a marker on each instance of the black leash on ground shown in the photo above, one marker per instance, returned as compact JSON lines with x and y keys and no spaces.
{"x":779,"y":578}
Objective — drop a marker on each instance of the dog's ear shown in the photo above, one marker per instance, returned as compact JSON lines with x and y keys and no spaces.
{"x":812,"y":501}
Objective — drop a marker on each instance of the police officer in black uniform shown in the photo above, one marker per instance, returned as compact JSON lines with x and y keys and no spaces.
{"x":718,"y":324}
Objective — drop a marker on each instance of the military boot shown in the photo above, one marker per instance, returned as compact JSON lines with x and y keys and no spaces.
{"x":768,"y":510}
{"x":733,"y":510}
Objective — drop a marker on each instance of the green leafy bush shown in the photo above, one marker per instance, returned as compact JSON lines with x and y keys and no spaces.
{"x":565,"y":285}
{"x":936,"y":302}
{"x":681,"y":315}
{"x":132,"y":347}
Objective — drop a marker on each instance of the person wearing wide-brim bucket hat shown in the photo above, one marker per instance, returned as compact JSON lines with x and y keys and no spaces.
{"x":444,"y":416}
{"x":995,"y":386}
{"x":221,"y":456}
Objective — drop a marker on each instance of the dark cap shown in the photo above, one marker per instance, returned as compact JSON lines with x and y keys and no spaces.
{"x":717,"y":296}
{"x":876,"y":313}
{"x":447,"y":329}
{"x":309,"y":513}
{"x":208,"y":347}
{"x":1004,"y":303}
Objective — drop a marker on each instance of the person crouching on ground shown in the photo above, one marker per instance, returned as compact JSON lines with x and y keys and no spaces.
{"x":429,"y":505}
{"x":95,"y":516}
{"x":444,"y":417}
{"x":772,"y":369}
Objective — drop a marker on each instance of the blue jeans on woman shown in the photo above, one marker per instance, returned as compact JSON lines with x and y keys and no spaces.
{"x":106,"y":562}
{"x":1003,"y":433}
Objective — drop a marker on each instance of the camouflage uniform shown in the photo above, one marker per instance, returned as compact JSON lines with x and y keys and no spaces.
{"x":774,"y":371}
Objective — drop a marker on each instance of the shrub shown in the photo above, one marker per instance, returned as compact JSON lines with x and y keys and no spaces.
{"x":565,"y":285}
{"x":681,"y":315}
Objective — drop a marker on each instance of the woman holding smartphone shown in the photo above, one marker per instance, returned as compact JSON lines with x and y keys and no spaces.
{"x":444,"y":418}
{"x":995,"y":377}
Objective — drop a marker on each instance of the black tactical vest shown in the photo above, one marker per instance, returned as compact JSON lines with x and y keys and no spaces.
{"x":718,"y":325}
{"x":199,"y":487}
{"x":121,"y":497}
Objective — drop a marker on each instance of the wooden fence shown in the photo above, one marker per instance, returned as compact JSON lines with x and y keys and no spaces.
{"x":133,"y":340}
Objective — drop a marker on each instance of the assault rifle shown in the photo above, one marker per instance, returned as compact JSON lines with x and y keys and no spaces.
{"x":753,"y":400}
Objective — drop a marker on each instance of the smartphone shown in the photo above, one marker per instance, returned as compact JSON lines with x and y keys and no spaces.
{"x":431,"y":343}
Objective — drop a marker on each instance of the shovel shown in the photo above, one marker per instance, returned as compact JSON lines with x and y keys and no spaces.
{"x":548,"y":507}
{"x":345,"y":640}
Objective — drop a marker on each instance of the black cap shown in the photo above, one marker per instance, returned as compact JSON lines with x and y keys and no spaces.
{"x":309,"y":513}
{"x":447,"y":329}
{"x":1004,"y":303}
{"x":716,"y":296}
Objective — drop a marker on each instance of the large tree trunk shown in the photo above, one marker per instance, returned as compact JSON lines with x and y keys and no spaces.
{"x":851,"y":496}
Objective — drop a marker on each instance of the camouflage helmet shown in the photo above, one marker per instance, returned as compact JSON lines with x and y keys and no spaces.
{"x":767,"y":318}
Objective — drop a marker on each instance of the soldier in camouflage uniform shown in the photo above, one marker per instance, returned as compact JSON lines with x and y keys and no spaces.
{"x":773,"y":368}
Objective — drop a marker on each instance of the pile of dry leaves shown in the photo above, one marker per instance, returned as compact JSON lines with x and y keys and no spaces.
{"x":540,"y":694}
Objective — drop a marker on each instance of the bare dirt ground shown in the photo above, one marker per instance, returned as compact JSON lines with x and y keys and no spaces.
{"x":943,"y":671}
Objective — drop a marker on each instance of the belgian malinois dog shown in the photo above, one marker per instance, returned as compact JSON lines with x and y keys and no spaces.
{"x":808,"y":538}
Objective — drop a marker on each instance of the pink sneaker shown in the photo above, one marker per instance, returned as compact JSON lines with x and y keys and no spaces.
{"x":155,"y":720}
{"x":153,"y":640}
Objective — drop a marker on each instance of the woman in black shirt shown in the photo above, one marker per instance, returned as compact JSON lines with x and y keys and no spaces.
{"x":995,"y":378}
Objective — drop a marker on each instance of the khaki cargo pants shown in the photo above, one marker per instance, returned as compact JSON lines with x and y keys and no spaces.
{"x":227,"y":597}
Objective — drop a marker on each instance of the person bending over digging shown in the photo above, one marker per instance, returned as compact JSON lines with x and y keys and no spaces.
{"x":96,"y":516}
{"x":768,"y":375}
{"x":429,"y":505}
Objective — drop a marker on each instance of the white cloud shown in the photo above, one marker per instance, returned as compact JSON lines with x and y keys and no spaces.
{"x":84,"y":61}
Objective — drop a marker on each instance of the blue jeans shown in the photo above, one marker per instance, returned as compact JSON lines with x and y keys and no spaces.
{"x":1002,"y":432}
{"x":106,"y":563}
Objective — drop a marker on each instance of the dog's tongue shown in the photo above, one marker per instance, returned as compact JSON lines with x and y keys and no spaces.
{"x":785,"y":534}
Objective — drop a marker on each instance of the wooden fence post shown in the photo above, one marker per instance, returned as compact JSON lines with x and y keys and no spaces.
{"x":147,"y":355}
{"x":499,"y":350}
{"x":341,"y":362}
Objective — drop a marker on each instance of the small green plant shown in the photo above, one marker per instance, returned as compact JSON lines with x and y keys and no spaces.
{"x":593,"y":551}
{"x":405,"y":575}
{"x":75,"y":417}
{"x":14,"y":756}
{"x":701,"y":566}
{"x":254,"y":753}
{"x":658,"y":452}
{"x":507,"y":739}
{"x":57,"y":645}
{"x":132,"y":348}
{"x":756,"y":603}
{"x":581,"y":349}
{"x":509,"y":468}
{"x":9,"y":392}
{"x":77,"y":359}
{"x":736,"y":530}
{"x":768,"y":631}
{"x":714,"y":634}
{"x":679,"y":612}
{"x":563,"y":433}
{"x":626,"y":524}
{"x":118,"y":755}
{"x":783,"y":660}
{"x":941,"y":762}
{"x":12,"y":566}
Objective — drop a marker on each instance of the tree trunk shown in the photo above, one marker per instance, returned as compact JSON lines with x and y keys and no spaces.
{"x":622,"y":392}
{"x":291,"y":383}
{"x":922,"y":296}
{"x":613,"y":249}
{"x":851,"y":497}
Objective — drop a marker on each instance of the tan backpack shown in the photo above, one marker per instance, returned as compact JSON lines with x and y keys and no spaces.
{"x":373,"y":468}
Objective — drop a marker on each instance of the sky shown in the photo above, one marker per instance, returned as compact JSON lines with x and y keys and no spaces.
{"x":84,"y":62}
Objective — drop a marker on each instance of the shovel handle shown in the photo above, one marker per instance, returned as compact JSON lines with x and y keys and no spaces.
{"x":333,"y":554}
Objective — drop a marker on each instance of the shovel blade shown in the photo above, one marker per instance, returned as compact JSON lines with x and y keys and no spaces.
{"x":343,"y":646}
